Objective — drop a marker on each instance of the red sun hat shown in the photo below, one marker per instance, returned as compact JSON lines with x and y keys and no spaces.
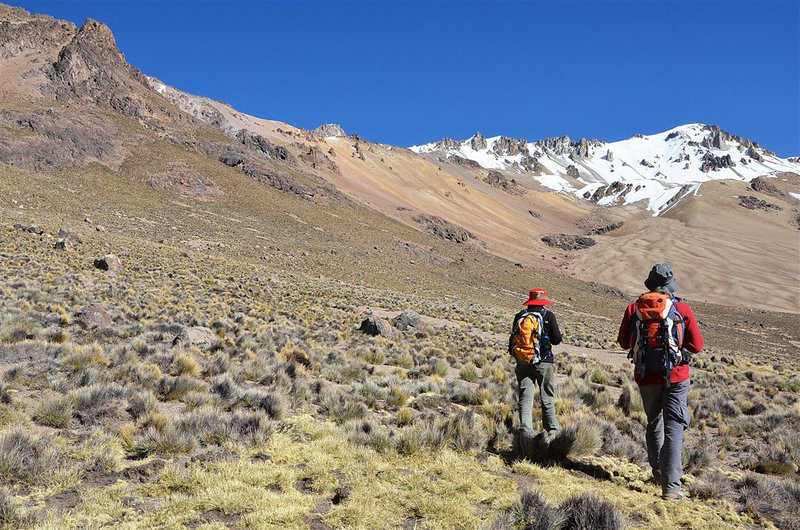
{"x":538,"y":297}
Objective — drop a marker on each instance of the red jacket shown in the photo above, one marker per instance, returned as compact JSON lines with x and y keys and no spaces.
{"x":692,"y":341}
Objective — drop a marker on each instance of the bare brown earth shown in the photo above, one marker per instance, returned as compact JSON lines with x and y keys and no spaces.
{"x":722,"y":253}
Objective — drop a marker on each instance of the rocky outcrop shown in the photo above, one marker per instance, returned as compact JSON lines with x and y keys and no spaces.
{"x":184,"y":181}
{"x":261,"y":144}
{"x":556,"y":145}
{"x":443,"y":229}
{"x":754,"y":203}
{"x":615,"y":188}
{"x":510,"y":147}
{"x":447,"y":144}
{"x":762,"y":185}
{"x":582,"y":149}
{"x":91,"y":69}
{"x":318,"y":160}
{"x":464,"y":162}
{"x":500,"y":181}
{"x":572,"y":171}
{"x":569,"y":242}
{"x":329,"y":130}
{"x":21,"y":33}
{"x":712,"y":162}
{"x":54,"y":139}
{"x":753,"y":153}
{"x":717,"y":139}
{"x":478,"y":142}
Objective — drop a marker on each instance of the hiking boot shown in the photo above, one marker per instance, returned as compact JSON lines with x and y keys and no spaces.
{"x":673,"y":497}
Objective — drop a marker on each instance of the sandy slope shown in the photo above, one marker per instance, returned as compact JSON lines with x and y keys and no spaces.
{"x":721,"y":252}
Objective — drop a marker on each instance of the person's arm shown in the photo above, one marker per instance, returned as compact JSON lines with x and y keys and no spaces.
{"x":624,"y":337}
{"x":553,"y":333}
{"x":692,"y":339}
{"x":511,"y":335}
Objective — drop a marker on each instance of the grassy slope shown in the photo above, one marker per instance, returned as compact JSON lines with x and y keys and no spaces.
{"x":319,"y":465}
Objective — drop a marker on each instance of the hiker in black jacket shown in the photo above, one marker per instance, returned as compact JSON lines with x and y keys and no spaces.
{"x":538,"y":370}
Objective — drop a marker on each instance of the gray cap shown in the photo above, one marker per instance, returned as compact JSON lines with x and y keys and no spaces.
{"x":661,"y":279}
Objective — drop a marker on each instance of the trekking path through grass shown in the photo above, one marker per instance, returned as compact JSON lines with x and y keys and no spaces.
{"x":613,"y":357}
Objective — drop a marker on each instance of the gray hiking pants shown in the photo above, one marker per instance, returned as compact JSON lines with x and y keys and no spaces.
{"x":527,"y":377}
{"x":667,"y":418}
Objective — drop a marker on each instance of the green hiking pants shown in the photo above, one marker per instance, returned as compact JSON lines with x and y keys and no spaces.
{"x":528,"y":376}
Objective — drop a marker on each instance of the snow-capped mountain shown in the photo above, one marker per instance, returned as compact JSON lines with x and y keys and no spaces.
{"x":659,"y":169}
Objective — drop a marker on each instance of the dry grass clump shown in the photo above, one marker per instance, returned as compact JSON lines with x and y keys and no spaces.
{"x":315,"y":416}
{"x":54,"y":411}
{"x":25,"y":460}
{"x":587,"y":511}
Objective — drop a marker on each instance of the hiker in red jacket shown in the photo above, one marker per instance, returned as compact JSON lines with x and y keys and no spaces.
{"x":664,"y":396}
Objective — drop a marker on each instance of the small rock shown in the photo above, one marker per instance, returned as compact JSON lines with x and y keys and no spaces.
{"x":64,"y":244}
{"x":94,"y":316}
{"x":99,"y":228}
{"x":33,"y":229}
{"x":199,"y":336}
{"x":109,"y":263}
{"x":373,"y":326}
{"x":408,"y":319}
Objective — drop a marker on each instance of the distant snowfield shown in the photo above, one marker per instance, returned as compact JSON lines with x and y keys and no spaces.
{"x":655,"y":169}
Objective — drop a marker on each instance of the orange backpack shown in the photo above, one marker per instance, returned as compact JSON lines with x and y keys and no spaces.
{"x":526,"y":337}
{"x":658,"y":331}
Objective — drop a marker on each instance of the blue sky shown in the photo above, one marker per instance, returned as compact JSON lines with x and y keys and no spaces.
{"x":411,"y":72}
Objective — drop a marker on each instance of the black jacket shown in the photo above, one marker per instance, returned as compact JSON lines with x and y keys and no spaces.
{"x":550,"y":326}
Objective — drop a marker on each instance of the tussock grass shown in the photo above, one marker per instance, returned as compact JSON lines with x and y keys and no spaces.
{"x":293,"y":418}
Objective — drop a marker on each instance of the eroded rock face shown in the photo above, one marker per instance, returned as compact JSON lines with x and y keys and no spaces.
{"x":21,"y":33}
{"x":318,"y":160}
{"x":478,"y":142}
{"x":51,"y":139}
{"x":500,"y":181}
{"x":754,"y":203}
{"x":712,"y":162}
{"x":763,"y":185}
{"x":91,"y":69}
{"x":510,"y":147}
{"x":328,"y":130}
{"x":569,"y":242}
{"x":443,"y":229}
{"x":185,"y":181}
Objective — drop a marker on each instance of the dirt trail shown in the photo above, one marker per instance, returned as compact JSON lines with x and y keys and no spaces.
{"x":616,"y":357}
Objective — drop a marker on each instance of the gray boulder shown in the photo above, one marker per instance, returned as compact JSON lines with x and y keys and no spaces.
{"x":199,"y":336}
{"x":109,"y":263}
{"x":94,"y":316}
{"x":408,"y":319}
{"x":374,"y":326}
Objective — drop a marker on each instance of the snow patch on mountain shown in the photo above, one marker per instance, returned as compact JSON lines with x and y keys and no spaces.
{"x":659,"y":169}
